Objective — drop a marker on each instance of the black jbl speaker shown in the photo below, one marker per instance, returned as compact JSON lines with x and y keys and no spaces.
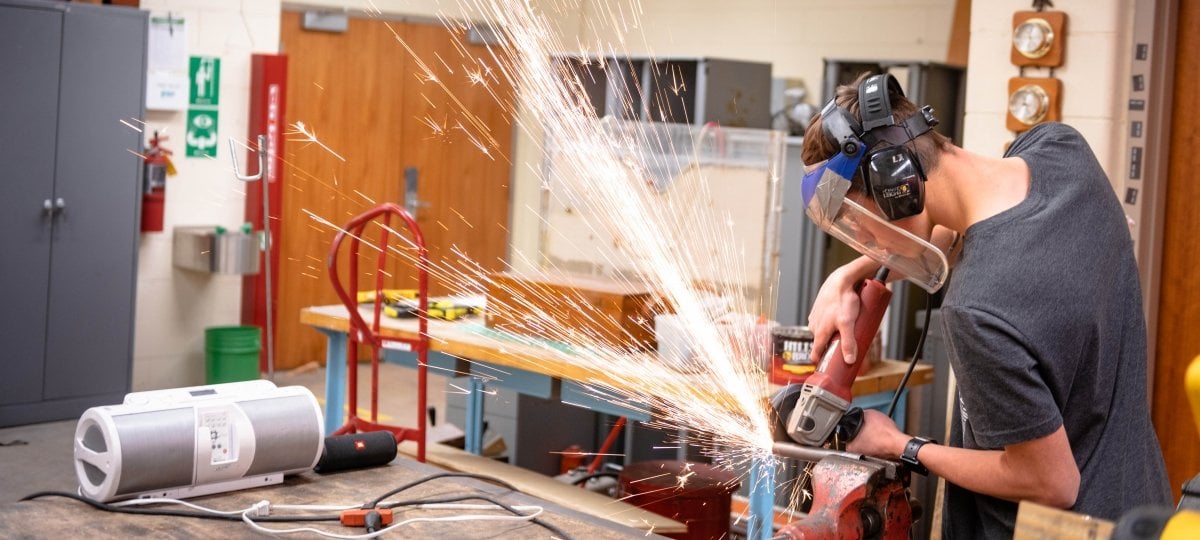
{"x":356,"y":451}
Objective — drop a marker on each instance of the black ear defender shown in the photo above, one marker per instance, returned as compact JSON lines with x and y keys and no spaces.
{"x":892,"y":173}
{"x":896,"y":181}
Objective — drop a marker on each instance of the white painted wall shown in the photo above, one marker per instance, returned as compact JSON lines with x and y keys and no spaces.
{"x":1095,"y":75}
{"x":794,"y":36}
{"x":174,"y":306}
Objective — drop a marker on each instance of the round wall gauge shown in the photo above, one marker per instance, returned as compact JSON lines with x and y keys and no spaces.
{"x":1029,"y":104}
{"x":1033,"y":37}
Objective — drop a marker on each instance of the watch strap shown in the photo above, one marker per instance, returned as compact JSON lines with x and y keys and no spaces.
{"x":909,"y":456}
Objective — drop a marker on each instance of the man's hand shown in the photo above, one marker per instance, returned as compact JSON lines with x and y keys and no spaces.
{"x":836,"y":308}
{"x":879,"y":437}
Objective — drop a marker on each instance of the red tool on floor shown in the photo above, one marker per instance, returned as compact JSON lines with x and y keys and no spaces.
{"x":368,"y":334}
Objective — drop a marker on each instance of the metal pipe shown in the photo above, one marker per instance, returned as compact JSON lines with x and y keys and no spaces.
{"x":265,"y":167}
{"x":808,"y":453}
{"x":264,"y":175}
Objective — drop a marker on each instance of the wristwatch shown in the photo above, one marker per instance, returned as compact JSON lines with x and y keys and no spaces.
{"x":909,"y":456}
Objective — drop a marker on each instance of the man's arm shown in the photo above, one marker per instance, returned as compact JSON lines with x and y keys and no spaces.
{"x":1042,"y":470}
{"x":836,"y":306}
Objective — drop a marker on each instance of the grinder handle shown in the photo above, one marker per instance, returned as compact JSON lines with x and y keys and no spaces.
{"x":834,"y":374}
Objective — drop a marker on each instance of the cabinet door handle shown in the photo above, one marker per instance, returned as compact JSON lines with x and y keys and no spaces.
{"x":50,"y":208}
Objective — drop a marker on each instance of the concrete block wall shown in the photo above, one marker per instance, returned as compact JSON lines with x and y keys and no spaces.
{"x":174,"y":306}
{"x":1095,"y":75}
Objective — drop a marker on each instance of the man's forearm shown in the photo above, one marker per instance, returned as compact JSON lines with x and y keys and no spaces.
{"x":859,"y":269}
{"x":1042,"y":471}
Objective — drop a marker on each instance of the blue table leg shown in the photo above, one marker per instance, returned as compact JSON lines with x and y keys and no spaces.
{"x":335,"y":379}
{"x":473,"y":438}
{"x":762,"y":498}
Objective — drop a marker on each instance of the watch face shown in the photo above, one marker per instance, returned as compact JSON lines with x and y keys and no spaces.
{"x":1033,"y":37}
{"x":1029,"y":104}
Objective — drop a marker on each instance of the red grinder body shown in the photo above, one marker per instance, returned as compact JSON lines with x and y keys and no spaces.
{"x":826,"y":394}
{"x":834,"y":374}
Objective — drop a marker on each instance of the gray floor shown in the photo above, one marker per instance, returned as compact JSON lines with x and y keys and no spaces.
{"x":38,"y":457}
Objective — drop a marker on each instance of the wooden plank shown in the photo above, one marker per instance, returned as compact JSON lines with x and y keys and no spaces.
{"x":1037,"y":522}
{"x":1177,"y":341}
{"x":960,"y":34}
{"x":544,"y":487}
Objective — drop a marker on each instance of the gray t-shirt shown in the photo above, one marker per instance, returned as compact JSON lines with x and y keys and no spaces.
{"x":1044,"y":326}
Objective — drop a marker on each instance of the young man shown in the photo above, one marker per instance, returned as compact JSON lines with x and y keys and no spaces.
{"x":1042,"y":317}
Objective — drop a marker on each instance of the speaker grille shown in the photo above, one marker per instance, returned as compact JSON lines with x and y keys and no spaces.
{"x":161,"y":443}
{"x":93,"y":439}
{"x":286,"y":433}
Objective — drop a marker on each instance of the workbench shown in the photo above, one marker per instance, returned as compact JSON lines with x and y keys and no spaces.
{"x":56,"y":517}
{"x":467,"y":347}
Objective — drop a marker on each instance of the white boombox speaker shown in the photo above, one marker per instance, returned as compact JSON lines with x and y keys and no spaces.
{"x":187,"y":442}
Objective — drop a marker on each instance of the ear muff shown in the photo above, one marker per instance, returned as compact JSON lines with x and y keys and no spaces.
{"x":892,"y":174}
{"x":895,"y":181}
{"x":891,"y":171}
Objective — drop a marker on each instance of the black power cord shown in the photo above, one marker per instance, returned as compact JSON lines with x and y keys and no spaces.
{"x":373,"y":521}
{"x":916,"y":355}
{"x":416,"y":483}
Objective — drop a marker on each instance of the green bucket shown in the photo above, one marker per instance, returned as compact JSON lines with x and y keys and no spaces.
{"x":231,"y":353}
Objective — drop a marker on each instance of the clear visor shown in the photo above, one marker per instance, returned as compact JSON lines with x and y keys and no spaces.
{"x":825,"y":189}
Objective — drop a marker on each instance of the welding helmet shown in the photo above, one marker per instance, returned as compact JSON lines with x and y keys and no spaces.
{"x":893,"y":184}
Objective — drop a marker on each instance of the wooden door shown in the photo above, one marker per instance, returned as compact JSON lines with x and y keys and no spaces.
{"x":1179,"y":304}
{"x":467,"y":190}
{"x":367,"y":101}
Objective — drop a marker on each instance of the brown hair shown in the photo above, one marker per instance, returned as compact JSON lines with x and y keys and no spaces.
{"x":817,"y":147}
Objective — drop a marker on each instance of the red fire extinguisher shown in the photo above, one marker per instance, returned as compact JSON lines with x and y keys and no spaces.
{"x":158,"y":166}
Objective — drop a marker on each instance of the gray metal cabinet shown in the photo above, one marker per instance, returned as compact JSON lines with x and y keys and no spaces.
{"x":732,"y":93}
{"x":72,"y":83}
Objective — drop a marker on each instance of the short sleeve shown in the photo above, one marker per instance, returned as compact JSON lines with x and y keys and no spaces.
{"x":1003,"y":394}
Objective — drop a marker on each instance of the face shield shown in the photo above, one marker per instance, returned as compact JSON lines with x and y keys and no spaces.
{"x":825,"y":188}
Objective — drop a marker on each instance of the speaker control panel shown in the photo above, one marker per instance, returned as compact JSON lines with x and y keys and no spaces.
{"x":220,"y":436}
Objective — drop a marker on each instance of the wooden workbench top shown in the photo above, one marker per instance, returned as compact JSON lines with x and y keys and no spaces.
{"x":64,"y":518}
{"x":468,"y":338}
